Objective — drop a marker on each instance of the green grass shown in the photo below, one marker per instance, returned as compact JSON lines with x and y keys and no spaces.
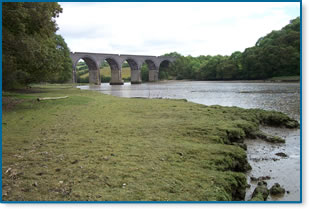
{"x":96,"y":147}
{"x":106,"y":71}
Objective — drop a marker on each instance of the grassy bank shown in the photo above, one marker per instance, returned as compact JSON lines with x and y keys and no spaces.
{"x":96,"y":147}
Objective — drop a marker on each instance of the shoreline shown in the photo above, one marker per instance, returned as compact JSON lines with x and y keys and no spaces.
{"x":226,"y":164}
{"x":214,"y":81}
{"x":275,"y":163}
{"x":292,"y":193}
{"x":235,"y":81}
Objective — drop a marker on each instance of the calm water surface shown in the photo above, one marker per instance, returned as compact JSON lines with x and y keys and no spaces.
{"x":284,"y":97}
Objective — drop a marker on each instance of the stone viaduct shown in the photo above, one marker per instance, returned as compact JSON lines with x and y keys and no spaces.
{"x":115,"y":61}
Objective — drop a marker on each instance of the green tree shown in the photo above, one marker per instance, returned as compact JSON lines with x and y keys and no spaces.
{"x":62,"y":62}
{"x":145,"y":72}
{"x":276,"y":54}
{"x":31,"y":50}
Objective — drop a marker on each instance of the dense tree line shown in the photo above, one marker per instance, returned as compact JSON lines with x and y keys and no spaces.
{"x":32,"y":51}
{"x":276,"y":54}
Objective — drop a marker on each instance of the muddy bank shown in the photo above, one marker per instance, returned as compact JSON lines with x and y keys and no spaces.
{"x":280,"y":163}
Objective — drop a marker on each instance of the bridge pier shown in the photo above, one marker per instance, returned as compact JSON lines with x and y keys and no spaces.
{"x":136,"y":77}
{"x":74,"y":79}
{"x":116,"y":78}
{"x":153,"y":75}
{"x":94,"y":77}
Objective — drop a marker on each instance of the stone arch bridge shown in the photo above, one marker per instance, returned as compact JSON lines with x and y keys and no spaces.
{"x":115,"y":61}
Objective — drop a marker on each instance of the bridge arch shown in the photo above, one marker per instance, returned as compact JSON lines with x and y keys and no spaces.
{"x":163,"y":74}
{"x":132,"y":63}
{"x":153,"y":73}
{"x":115,"y":62}
{"x":115,"y":66}
{"x":151,"y":64}
{"x":165,"y":63}
{"x":94,"y":73}
{"x":135,"y":70}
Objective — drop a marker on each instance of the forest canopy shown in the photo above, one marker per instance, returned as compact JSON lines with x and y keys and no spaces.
{"x":32,"y":52}
{"x":276,"y":54}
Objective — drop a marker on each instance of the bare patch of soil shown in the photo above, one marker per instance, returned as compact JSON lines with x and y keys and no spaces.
{"x":28,"y":90}
{"x":8,"y":103}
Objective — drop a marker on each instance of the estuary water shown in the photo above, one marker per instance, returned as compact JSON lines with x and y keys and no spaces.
{"x":283,"y":97}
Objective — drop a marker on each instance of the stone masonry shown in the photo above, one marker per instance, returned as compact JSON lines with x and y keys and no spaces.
{"x":115,"y":62}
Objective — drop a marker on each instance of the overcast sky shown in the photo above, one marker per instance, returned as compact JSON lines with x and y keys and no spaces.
{"x":157,"y":28}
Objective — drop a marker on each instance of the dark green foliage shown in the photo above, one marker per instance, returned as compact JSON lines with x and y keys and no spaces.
{"x":125,"y":64}
{"x":276,"y":189}
{"x":266,"y":137}
{"x":273,"y":118}
{"x":235,"y":134}
{"x":145,"y":72}
{"x":104,"y":79}
{"x":82,"y":79}
{"x":105,"y":64}
{"x":275,"y":139}
{"x":32,"y":52}
{"x":172,"y":54}
{"x":274,"y":55}
{"x":235,"y":160}
{"x":62,"y":62}
{"x":261,"y":192}
{"x":164,"y":70}
{"x":277,"y":54}
{"x":248,"y":128}
{"x":128,"y":79}
{"x":82,"y":72}
{"x":81,"y":66}
{"x":81,"y":69}
{"x":238,"y":186}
